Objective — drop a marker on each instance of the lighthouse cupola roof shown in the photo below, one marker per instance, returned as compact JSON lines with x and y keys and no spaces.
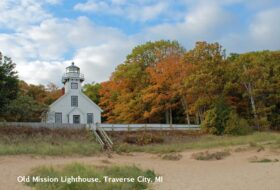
{"x":72,"y":68}
{"x":72,"y":72}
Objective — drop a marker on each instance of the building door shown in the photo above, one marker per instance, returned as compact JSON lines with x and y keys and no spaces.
{"x":76,"y":119}
{"x":58,"y":117}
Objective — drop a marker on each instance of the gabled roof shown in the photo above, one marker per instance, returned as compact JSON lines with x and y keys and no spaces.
{"x":76,"y":108}
{"x":88,"y":99}
{"x":59,"y":99}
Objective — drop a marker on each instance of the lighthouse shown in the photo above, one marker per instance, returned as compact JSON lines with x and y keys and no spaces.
{"x":74,"y":106}
{"x":72,"y":79}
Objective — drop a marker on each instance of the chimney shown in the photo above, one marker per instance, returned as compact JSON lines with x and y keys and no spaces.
{"x":63,"y":90}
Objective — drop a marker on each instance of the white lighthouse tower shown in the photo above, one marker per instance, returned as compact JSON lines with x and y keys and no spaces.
{"x":72,"y":79}
{"x":74,"y":106}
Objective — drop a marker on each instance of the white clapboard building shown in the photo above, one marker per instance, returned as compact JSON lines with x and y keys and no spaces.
{"x":74,"y":106}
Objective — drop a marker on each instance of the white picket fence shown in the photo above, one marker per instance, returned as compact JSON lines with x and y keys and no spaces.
{"x":106,"y":127}
{"x":136,"y":127}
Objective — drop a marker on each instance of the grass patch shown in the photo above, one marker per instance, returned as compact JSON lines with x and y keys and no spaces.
{"x":67,"y":142}
{"x":47,"y":142}
{"x":204,"y":142}
{"x":105,"y":161}
{"x":275,"y":145}
{"x":257,"y":146}
{"x":88,"y":171}
{"x":66,"y":148}
{"x":265,"y":160}
{"x":241,"y":149}
{"x":210,"y":156}
{"x":171,"y":156}
{"x":143,"y":139}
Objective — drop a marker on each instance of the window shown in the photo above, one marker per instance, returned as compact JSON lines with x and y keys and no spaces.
{"x":74,"y":85}
{"x":90,"y":118}
{"x":76,"y":119}
{"x":58,"y":117}
{"x":74,"y":101}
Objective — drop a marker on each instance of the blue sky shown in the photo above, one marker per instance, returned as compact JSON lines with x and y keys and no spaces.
{"x":44,"y":36}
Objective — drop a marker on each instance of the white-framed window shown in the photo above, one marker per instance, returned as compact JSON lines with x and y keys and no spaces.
{"x":74,"y":101}
{"x":74,"y":85}
{"x":58,"y":117}
{"x":89,"y":118}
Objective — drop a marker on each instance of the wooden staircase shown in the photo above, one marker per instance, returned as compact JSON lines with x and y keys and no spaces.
{"x":102,"y":138}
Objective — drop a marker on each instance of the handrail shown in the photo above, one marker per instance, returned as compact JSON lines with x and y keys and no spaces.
{"x":108,"y":142}
{"x":99,"y":139}
{"x":105,"y":135}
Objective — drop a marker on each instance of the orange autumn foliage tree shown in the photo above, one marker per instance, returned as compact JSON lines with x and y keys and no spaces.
{"x":40,"y":93}
{"x":127,"y":85}
{"x":163,"y":93}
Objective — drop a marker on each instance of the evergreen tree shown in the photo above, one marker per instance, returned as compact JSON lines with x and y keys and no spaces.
{"x":8,"y":83}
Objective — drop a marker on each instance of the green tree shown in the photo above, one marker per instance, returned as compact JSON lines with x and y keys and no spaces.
{"x":236,"y":125}
{"x":31,"y":102}
{"x":8,"y":83}
{"x":92,"y":91}
{"x":25,"y":109}
{"x":217,"y":117}
{"x":257,"y":77}
{"x":205,"y":80}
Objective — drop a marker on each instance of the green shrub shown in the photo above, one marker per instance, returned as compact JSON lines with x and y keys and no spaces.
{"x":216,"y":118}
{"x":210,"y":156}
{"x":264,"y":123}
{"x":208,"y":125}
{"x":172,"y":156}
{"x":264,"y":160}
{"x":236,"y":125}
{"x":143,"y":138}
{"x":222,"y":120}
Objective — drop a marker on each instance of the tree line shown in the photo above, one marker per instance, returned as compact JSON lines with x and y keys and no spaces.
{"x":161,"y":82}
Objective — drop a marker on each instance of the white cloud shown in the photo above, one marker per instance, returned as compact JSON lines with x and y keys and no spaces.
{"x":261,"y":34}
{"x":92,"y":5}
{"x":136,"y":11}
{"x":17,"y":15}
{"x":42,"y":72}
{"x":265,"y":29}
{"x":53,"y":2}
{"x":145,"y":13}
{"x":98,"y":62}
{"x":206,"y":18}
{"x":203,"y":22}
